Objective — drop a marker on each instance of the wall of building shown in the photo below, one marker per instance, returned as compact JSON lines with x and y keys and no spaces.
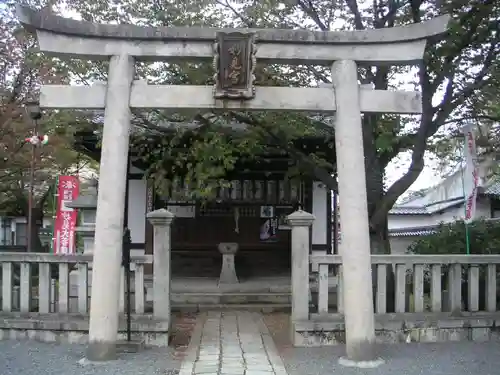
{"x":483,"y":210}
{"x":452,"y":186}
{"x":399,"y":245}
{"x":136,"y":220}
{"x":13,"y":230}
{"x":136,"y":215}
{"x":136,"y":210}
{"x":320,"y":211}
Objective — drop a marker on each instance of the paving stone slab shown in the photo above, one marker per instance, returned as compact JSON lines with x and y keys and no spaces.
{"x":232,"y":343}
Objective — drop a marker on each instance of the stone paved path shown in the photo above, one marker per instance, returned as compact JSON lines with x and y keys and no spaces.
{"x":231,"y":343}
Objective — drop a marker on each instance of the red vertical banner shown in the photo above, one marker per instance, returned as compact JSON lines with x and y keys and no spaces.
{"x":66,"y":217}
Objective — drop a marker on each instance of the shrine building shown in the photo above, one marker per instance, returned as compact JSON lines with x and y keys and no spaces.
{"x":250,"y":212}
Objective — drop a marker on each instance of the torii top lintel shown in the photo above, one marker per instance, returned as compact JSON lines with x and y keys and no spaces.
{"x":398,"y":45}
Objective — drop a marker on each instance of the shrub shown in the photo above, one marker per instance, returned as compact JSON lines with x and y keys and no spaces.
{"x":450,"y":238}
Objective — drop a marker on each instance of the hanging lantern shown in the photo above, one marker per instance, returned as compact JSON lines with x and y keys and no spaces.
{"x":34,"y":140}
{"x":38,"y":140}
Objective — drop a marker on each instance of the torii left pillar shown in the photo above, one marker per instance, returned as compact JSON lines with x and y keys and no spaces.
{"x":104,"y":306}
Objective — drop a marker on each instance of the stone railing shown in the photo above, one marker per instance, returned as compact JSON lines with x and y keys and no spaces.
{"x":422,"y":283}
{"x":415,"y":297}
{"x":430,"y":298}
{"x":46,"y":297}
{"x":46,"y":283}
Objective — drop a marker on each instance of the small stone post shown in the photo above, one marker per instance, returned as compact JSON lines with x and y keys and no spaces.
{"x":355,"y":246}
{"x":228,"y":270}
{"x":161,"y":220}
{"x":300,"y":221}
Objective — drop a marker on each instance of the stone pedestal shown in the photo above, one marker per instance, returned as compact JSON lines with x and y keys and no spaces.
{"x":228,"y":272}
{"x":161,"y":220}
{"x":300,"y":221}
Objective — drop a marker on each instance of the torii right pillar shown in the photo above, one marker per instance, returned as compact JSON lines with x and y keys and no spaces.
{"x":355,"y":245}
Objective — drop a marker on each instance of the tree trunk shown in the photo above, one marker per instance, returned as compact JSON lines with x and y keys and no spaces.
{"x":379,"y":235}
{"x":379,"y":241}
{"x":374,"y":171}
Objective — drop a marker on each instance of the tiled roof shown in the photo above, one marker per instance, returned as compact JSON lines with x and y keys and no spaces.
{"x":408,"y":210}
{"x":493,"y":188}
{"x":422,"y":230}
{"x":426,"y":210}
{"x":408,"y":232}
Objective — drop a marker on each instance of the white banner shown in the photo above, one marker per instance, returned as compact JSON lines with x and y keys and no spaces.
{"x":471,"y":174}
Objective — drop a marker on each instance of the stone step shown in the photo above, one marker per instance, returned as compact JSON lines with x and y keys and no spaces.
{"x":264,"y":308}
{"x":231,"y":298}
{"x":243,"y":298}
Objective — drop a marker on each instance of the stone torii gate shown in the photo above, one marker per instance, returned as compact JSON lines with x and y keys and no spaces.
{"x":235,"y":53}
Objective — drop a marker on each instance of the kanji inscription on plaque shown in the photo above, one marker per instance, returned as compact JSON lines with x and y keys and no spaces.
{"x":234,"y":64}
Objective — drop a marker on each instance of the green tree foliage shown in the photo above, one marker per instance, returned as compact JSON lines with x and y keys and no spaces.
{"x":457,"y":72}
{"x":22,"y":70}
{"x":482,"y":108}
{"x":450,"y":238}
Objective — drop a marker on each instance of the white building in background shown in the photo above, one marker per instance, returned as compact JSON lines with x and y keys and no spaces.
{"x":13,"y":231}
{"x":443,"y":203}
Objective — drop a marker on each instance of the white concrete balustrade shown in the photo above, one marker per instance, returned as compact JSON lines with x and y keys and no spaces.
{"x":40,"y":283}
{"x":435,"y":298}
{"x":423,"y":283}
{"x":453,"y":293}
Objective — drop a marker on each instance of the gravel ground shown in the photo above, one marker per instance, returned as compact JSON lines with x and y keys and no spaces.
{"x":458,"y":358}
{"x":33,"y":358}
{"x":453,"y":358}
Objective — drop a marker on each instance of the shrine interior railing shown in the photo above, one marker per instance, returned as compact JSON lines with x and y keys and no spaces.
{"x":44,"y":283}
{"x":465,"y":284}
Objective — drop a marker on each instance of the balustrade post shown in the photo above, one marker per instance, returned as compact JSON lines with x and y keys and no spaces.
{"x":300,"y":221}
{"x":161,"y":220}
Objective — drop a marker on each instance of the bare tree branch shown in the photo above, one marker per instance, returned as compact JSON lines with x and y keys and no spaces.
{"x":354,"y":8}
{"x":311,"y":11}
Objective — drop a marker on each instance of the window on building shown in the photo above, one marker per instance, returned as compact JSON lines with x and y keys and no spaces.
{"x":21,"y":234}
{"x":495,"y":208}
{"x":5,"y":232}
